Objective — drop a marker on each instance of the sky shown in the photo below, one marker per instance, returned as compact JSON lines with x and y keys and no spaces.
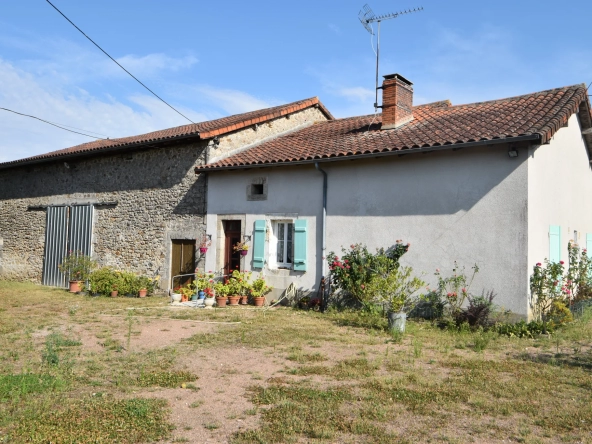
{"x":218,"y":58}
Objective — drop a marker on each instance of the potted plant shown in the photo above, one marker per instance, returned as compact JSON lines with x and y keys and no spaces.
{"x":258,"y":291}
{"x":114,"y":290}
{"x":187,"y":291}
{"x":203,"y":281}
{"x":241,"y":247}
{"x":146,"y":285}
{"x":209,"y":296}
{"x":222,"y":290}
{"x":78,"y":268}
{"x":102,"y":280}
{"x":238,"y":285}
{"x":204,"y":242}
{"x":395,"y":287}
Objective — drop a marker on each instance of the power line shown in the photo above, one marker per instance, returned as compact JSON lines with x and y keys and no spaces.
{"x":51,"y":123}
{"x":118,"y":64}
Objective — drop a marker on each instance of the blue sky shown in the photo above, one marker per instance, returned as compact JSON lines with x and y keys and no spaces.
{"x":216,"y":58}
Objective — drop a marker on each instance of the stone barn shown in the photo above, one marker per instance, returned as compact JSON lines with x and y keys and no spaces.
{"x":134,"y":203}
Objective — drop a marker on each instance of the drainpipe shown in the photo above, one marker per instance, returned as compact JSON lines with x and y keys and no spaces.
{"x":324,"y":248}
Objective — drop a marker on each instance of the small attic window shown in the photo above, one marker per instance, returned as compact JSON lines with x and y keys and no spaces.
{"x":257,"y":189}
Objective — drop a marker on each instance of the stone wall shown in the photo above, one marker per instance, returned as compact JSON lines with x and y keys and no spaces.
{"x":159,"y":198}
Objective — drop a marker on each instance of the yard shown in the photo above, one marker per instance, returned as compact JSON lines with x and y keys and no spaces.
{"x":81,"y":369}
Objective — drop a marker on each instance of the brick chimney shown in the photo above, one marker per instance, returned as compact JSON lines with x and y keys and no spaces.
{"x":397,"y":101}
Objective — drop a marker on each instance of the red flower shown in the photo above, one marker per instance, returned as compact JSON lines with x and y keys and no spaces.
{"x":561,"y":262}
{"x":538,"y":264}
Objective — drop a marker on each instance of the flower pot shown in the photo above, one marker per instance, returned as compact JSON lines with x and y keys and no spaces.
{"x":184,"y":298}
{"x":194,"y":297}
{"x":396,"y":321}
{"x":233,"y":300}
{"x":221,"y":301}
{"x":176,"y":298}
{"x":244,"y":300}
{"x":244,"y":252}
{"x":259,"y":301}
{"x":143,"y":292}
{"x":209,"y":302}
{"x":114,"y":294}
{"x":203,"y":250}
{"x":75,"y":286}
{"x":201,"y":294}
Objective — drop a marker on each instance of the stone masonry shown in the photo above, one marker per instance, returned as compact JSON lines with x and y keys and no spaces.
{"x":159,"y":198}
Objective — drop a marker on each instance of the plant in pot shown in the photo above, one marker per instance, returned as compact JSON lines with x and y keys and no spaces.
{"x":204,"y":243}
{"x":238,"y":286}
{"x":145,"y":286}
{"x":221,"y":289}
{"x":209,"y":296}
{"x":203,"y":281}
{"x":258,"y":291}
{"x":77,"y":267}
{"x":241,"y":247}
{"x":396,"y":287}
{"x":101,"y":281}
{"x":187,"y":291}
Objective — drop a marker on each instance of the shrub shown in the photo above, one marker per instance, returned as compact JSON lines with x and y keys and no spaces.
{"x":454,"y":289}
{"x":77,"y":266}
{"x":357,"y":267}
{"x":395,"y":288}
{"x":477,"y":313}
{"x":102,"y":280}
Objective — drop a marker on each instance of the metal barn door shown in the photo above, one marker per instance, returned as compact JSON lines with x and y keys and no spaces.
{"x":67,"y":229}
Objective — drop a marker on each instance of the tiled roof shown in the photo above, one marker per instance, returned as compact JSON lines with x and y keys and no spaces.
{"x":534,"y":116}
{"x":203,"y":130}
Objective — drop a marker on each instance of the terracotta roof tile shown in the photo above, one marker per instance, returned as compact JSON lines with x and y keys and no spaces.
{"x":435,"y":125}
{"x":203,"y":130}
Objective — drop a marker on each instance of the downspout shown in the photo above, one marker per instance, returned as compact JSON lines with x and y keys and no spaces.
{"x":324,"y":241}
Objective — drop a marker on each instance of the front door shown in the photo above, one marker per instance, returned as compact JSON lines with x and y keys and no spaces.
{"x":183,"y":262}
{"x":232,"y":235}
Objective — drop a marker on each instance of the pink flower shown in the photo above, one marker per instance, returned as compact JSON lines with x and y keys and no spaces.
{"x":561,"y":262}
{"x":538,"y":264}
{"x":568,"y":291}
{"x":437,"y":270}
{"x":464,"y":290}
{"x":362,"y":286}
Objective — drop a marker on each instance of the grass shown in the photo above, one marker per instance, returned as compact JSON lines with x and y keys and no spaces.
{"x":341,"y":377}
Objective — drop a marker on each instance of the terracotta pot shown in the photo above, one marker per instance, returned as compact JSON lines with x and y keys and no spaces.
{"x":233,"y":300}
{"x":244,"y":252}
{"x":184,"y":298}
{"x":244,"y":300}
{"x":114,"y":294}
{"x":259,"y":301}
{"x":221,"y":301}
{"x":75,"y":286}
{"x":143,"y":292}
{"x":203,"y":250}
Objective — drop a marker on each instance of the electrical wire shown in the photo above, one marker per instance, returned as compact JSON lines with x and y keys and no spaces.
{"x":118,"y":64}
{"x":54,"y":124}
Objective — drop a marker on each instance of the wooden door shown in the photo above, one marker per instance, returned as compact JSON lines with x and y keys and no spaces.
{"x":182,"y":262}
{"x":232,"y":235}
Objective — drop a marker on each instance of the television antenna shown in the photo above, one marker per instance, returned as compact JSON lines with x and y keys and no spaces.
{"x":367,"y":17}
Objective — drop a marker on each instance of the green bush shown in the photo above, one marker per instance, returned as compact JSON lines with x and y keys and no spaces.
{"x":102,"y":280}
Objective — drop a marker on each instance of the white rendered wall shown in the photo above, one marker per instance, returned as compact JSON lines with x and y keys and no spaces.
{"x":559,"y":190}
{"x":293,"y":193}
{"x":468,"y":206}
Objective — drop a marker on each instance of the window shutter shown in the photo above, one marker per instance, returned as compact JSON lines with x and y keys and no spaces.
{"x":589,"y":244}
{"x":259,"y":244}
{"x":554,"y":243}
{"x":300,"y":245}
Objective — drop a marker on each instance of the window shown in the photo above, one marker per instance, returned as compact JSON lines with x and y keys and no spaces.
{"x":257,"y":189}
{"x":284,"y":233}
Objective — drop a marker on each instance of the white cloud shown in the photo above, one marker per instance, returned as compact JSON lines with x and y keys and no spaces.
{"x":152,"y":63}
{"x":233,"y":101}
{"x":76,"y":107}
{"x":335,"y":28}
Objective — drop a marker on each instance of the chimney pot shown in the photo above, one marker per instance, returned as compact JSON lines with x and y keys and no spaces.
{"x":397,"y":101}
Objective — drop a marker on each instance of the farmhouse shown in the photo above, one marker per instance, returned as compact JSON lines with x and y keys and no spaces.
{"x":133,"y":203}
{"x":501,"y":184}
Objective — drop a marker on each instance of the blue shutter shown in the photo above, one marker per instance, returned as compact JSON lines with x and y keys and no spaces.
{"x":554,"y":243}
{"x":259,"y":244}
{"x":300,"y":245}
{"x":589,"y":244}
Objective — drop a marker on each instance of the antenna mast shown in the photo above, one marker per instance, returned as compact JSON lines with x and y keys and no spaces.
{"x":367,"y":17}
